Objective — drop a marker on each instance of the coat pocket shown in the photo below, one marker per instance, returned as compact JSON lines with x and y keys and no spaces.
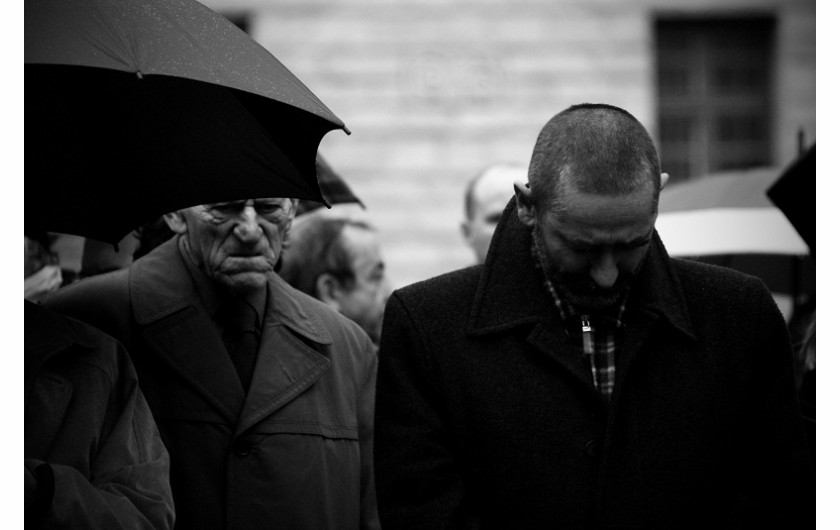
{"x":331,"y":430}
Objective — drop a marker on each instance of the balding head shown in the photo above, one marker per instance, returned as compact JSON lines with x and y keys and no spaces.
{"x":487,"y":194}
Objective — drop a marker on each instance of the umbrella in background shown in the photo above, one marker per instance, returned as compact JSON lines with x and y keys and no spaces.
{"x":795,"y":194}
{"x":727,"y":219}
{"x":334,"y":188}
{"x":135,"y":108}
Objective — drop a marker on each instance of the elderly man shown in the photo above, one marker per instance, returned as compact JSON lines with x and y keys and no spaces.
{"x":485,"y":198}
{"x":582,"y":378}
{"x":338,"y":261}
{"x":264,"y":398}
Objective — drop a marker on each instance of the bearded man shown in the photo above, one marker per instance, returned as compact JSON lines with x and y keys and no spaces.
{"x":581,"y":378}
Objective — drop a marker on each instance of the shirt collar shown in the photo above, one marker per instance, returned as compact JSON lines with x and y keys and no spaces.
{"x":568,"y":313}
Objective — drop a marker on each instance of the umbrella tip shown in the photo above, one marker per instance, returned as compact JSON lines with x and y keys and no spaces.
{"x":346,"y":130}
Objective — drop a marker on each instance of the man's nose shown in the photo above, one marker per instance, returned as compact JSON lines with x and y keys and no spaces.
{"x":604,"y":270}
{"x":248,"y":228}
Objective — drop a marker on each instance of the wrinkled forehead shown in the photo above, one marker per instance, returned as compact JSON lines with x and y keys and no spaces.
{"x":265,"y":201}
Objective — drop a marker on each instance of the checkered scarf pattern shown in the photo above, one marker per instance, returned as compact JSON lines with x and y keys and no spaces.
{"x":598,"y":341}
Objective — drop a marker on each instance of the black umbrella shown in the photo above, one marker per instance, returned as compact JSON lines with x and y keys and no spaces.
{"x":795,"y":194}
{"x":333,"y":187}
{"x":135,"y":108}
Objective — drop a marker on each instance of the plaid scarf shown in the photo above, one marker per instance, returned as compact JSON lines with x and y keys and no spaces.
{"x":597,"y":333}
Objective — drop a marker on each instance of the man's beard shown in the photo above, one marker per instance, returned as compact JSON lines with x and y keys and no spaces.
{"x":579,"y":289}
{"x":582,"y":293}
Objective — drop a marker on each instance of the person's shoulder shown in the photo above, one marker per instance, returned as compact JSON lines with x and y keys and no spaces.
{"x":301,"y":305}
{"x":95,"y":300}
{"x":710,"y":276}
{"x":49,"y":330}
{"x":729,"y":291}
{"x":451,"y":285}
{"x":92,"y":285}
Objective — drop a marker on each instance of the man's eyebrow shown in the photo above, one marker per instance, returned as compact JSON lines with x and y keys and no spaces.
{"x":224,"y":203}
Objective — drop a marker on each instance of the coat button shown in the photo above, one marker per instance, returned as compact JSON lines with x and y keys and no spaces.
{"x":241,"y":448}
{"x":592,"y":449}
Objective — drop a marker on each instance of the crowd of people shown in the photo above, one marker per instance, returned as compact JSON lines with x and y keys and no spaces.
{"x":248,"y":364}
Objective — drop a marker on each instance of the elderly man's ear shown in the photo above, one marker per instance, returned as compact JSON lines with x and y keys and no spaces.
{"x":176,"y":221}
{"x":664,"y":177}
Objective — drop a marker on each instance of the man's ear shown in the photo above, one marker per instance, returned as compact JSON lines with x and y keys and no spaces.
{"x":664,"y":177}
{"x":525,"y":203}
{"x":176,"y":221}
{"x":328,"y":290}
{"x":465,"y":230}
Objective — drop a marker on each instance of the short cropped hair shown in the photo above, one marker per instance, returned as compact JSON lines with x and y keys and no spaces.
{"x":593,"y":148}
{"x":315,"y":248}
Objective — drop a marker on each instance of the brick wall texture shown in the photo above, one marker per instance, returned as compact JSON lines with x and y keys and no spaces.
{"x":435,"y":90}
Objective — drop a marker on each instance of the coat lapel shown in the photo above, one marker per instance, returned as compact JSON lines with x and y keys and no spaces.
{"x":190,"y":345}
{"x":179,"y":330}
{"x":286,"y":364}
{"x":511,"y":294}
{"x":554,"y":342}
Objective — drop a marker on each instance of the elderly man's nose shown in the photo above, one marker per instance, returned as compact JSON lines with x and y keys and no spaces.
{"x":604,"y":270}
{"x":247,"y":226}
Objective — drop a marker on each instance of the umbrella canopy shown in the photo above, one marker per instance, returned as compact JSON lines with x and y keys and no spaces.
{"x":333,"y":187}
{"x":726,"y":219}
{"x":726,"y":213}
{"x":135,"y":108}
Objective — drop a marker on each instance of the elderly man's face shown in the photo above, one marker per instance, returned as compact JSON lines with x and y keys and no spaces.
{"x":237,"y":243}
{"x":595,"y":246}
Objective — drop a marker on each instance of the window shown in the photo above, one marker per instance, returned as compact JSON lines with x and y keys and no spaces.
{"x":715,"y":108}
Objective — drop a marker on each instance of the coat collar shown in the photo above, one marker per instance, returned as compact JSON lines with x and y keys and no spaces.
{"x":161,"y":285}
{"x":510,"y":291}
{"x":180,"y":331}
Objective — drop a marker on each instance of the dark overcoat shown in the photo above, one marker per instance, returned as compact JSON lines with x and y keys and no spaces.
{"x":295,"y":450}
{"x":487,"y":416}
{"x":89,"y":436}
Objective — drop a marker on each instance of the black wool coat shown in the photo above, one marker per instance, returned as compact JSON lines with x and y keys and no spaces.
{"x":487,"y":417}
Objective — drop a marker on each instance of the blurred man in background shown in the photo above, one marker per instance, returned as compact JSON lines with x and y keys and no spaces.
{"x":486,"y":196}
{"x":338,"y":261}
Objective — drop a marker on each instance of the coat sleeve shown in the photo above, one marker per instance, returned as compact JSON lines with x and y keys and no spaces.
{"x":128,"y":481}
{"x":419,"y":483}
{"x":779,"y":471}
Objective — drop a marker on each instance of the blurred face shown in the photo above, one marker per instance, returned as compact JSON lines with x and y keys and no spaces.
{"x":490,"y":196}
{"x":593,"y":249}
{"x":236,"y":243}
{"x":363,"y":300}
